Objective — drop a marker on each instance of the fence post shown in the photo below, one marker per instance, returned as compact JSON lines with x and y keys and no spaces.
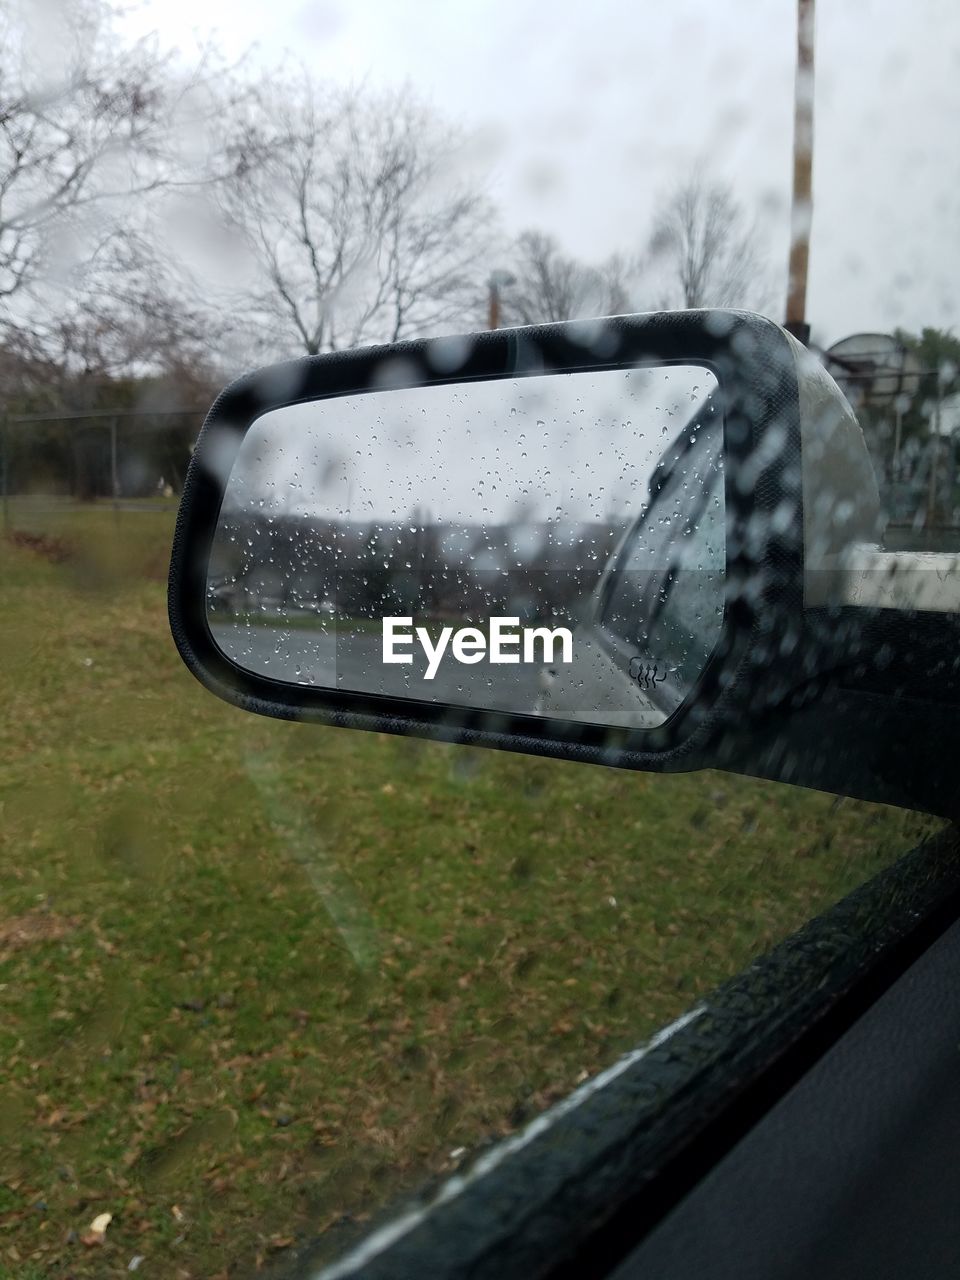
{"x":114,"y":478}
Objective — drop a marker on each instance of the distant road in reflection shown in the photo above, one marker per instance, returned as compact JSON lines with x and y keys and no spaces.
{"x":354,"y":662}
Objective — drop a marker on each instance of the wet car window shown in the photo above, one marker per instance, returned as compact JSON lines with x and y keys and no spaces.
{"x":260,"y":979}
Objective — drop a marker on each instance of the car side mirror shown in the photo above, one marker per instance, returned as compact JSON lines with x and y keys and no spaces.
{"x":587,"y":540}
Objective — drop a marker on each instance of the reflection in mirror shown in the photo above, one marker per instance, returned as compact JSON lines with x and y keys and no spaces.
{"x":549,"y":545}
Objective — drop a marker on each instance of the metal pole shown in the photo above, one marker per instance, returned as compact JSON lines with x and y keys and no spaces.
{"x":4,"y":478}
{"x":934,"y":460}
{"x":802,"y":209}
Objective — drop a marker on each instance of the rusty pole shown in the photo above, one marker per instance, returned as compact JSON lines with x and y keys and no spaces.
{"x":802,"y":209}
{"x":498,"y":280}
{"x":493,"y":308}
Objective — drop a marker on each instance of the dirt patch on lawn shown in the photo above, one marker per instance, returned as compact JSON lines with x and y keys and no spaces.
{"x":35,"y":926}
{"x":53,"y":549}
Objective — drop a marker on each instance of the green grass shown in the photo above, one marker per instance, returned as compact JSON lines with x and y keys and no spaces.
{"x":256,"y":978}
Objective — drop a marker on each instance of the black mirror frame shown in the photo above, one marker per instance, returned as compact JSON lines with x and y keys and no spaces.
{"x":755,"y":366}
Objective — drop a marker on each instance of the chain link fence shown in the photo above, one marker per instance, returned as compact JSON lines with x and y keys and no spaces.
{"x":129,"y":458}
{"x":914,"y":442}
{"x":135,"y":458}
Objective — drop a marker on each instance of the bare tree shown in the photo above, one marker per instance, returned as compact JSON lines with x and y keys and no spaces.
{"x":94,"y":135}
{"x":551,"y":286}
{"x":132,"y":317}
{"x":355,"y":225}
{"x":75,"y":131}
{"x":704,"y":248}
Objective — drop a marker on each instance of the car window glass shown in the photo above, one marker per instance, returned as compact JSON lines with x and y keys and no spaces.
{"x":260,"y":980}
{"x":665,"y":603}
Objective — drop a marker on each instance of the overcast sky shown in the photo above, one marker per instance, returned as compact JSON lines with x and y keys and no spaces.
{"x":585,"y":113}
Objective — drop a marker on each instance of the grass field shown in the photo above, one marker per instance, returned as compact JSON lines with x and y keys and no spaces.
{"x":257,"y":979}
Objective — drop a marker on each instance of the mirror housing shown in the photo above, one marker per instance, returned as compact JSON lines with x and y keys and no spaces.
{"x":800,"y":499}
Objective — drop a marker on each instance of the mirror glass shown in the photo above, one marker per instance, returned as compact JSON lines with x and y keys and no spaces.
{"x":548,"y":545}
